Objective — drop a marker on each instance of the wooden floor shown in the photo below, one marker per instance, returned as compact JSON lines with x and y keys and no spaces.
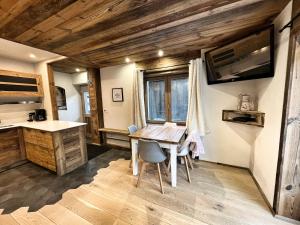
{"x":104,"y":192}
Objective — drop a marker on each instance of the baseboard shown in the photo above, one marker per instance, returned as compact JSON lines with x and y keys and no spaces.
{"x":262,"y":193}
{"x":224,"y":164}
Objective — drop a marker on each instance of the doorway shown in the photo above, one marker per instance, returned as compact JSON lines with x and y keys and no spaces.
{"x":86,"y":110}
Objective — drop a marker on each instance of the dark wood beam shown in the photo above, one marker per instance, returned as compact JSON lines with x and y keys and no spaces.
{"x":103,"y":32}
{"x":34,"y":14}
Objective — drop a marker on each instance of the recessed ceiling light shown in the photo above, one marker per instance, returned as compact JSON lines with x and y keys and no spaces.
{"x":77,"y":70}
{"x":160,"y":53}
{"x":33,"y":56}
{"x":127,"y":60}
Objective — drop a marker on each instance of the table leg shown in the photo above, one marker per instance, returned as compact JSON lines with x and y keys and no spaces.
{"x":173,"y":153}
{"x":134,"y":152}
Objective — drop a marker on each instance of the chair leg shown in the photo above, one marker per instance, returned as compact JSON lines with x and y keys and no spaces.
{"x":187,"y":168}
{"x":141,"y":173}
{"x":165,"y":168}
{"x":160,"y":180}
{"x":190,"y":161}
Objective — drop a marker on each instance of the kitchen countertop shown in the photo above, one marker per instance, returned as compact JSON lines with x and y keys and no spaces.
{"x":48,"y":125}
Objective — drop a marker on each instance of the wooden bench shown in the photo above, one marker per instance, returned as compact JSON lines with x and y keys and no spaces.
{"x":118,"y":132}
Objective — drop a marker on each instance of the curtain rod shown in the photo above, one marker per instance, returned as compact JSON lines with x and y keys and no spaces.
{"x":289,"y":24}
{"x":158,"y":68}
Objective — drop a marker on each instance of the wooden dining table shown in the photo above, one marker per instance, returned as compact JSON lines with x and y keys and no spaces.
{"x":167,"y":137}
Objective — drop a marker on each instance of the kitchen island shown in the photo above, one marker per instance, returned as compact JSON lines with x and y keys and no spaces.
{"x":59,"y":146}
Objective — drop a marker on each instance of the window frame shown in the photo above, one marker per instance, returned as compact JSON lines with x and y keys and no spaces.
{"x":168,"y":97}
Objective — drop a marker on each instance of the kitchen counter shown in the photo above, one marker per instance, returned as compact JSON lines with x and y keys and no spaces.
{"x":48,"y":125}
{"x":59,"y":146}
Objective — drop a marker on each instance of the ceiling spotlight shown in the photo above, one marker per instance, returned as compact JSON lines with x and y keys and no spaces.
{"x":77,"y":70}
{"x":127,"y":60}
{"x":160,"y":53}
{"x":33,"y":56}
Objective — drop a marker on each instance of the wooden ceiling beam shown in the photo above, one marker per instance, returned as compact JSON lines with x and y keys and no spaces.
{"x":259,"y":8}
{"x":177,"y":50}
{"x":74,"y":18}
{"x":112,"y":13}
{"x":72,"y":11}
{"x":11,"y":9}
{"x":175,"y":37}
{"x":34,"y":14}
{"x":102,"y":32}
{"x":135,"y":21}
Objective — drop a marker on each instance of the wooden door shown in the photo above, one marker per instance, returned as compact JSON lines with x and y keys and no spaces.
{"x":288,"y":202}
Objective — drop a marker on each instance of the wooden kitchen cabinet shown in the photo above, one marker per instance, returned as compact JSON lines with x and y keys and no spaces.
{"x":12,"y":151}
{"x":17,"y":84}
{"x":39,"y":148}
{"x":61,"y":151}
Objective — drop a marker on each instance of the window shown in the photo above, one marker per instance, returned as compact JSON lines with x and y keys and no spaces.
{"x":86,"y":97}
{"x":156,"y":100}
{"x":166,"y":98}
{"x":179,"y":99}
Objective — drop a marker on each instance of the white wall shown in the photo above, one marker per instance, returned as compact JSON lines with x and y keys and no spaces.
{"x":80,"y":78}
{"x":16,"y":65}
{"x":227,"y":143}
{"x":117,"y":115}
{"x":271,"y":94}
{"x":74,"y":107}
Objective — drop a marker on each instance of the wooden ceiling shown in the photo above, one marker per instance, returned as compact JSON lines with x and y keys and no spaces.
{"x":98,"y":33}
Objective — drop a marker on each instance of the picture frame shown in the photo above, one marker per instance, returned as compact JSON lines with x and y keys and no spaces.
{"x":117,"y":95}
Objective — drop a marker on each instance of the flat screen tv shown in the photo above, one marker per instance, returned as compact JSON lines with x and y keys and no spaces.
{"x":249,"y":58}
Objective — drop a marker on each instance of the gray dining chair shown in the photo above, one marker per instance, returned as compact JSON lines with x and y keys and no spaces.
{"x":132,"y":129}
{"x":151,"y":152}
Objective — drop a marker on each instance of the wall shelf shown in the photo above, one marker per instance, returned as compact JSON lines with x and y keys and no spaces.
{"x":17,"y":84}
{"x":252,"y":118}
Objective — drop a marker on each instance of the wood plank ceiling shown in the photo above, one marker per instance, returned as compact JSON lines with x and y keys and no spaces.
{"x":102,"y":33}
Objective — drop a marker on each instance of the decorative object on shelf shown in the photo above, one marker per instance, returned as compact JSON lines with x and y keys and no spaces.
{"x":117,"y":95}
{"x":253,"y":118}
{"x":247,"y":103}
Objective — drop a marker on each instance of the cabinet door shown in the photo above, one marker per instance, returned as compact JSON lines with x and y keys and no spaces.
{"x":42,"y":156}
{"x":20,"y":84}
{"x":39,"y":148}
{"x":11,"y":149}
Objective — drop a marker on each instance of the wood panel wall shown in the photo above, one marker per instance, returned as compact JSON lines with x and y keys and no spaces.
{"x":52,"y":92}
{"x":96,"y":119}
{"x":287,"y":193}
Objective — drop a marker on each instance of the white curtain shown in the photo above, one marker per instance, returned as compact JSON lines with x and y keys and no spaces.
{"x":195,"y":116}
{"x":139,"y":116}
